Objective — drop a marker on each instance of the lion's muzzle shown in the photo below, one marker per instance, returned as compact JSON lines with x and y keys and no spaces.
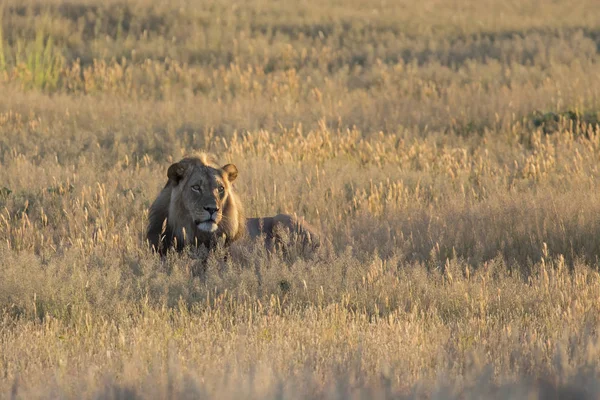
{"x":207,"y":226}
{"x":209,"y":220}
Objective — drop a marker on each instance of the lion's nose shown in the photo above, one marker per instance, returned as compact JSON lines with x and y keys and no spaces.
{"x":211,"y":210}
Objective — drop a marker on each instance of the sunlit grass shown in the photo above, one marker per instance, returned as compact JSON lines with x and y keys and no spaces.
{"x":449,"y":151}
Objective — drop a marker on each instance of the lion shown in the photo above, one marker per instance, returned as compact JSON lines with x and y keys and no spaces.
{"x":199,"y":207}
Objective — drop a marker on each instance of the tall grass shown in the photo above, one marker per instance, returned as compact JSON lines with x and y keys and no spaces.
{"x":34,"y":63}
{"x":2,"y":55}
{"x":448,"y":150}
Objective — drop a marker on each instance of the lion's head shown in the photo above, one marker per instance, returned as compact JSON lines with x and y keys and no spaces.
{"x":197,"y":206}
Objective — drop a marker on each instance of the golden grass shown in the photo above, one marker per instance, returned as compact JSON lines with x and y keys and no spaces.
{"x":449,"y":150}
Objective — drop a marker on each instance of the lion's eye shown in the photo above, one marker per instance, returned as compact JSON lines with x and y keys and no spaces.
{"x":196,"y":188}
{"x":221,"y":190}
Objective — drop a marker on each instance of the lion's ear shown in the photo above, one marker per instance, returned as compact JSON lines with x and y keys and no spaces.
{"x":231,"y":171}
{"x":176,"y":171}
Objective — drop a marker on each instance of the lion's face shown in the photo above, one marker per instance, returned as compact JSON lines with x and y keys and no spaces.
{"x":202,"y":192}
{"x":197,"y":206}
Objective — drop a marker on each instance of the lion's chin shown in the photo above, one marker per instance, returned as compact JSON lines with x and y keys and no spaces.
{"x":207,"y":226}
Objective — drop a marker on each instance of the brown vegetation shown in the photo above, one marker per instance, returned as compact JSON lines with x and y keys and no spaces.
{"x":448,"y":149}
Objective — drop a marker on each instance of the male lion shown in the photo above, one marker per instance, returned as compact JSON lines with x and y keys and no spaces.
{"x":198,"y":206}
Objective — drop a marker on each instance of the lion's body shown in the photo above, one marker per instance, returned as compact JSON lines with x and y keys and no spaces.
{"x":281,"y":229}
{"x":198,"y":206}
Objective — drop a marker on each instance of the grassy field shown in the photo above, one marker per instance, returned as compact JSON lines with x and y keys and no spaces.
{"x":448,"y":148}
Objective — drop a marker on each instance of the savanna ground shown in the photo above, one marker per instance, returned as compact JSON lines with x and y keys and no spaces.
{"x":449,"y":150}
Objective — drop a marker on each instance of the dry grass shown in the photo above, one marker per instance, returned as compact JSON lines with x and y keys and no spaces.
{"x":449,"y":149}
